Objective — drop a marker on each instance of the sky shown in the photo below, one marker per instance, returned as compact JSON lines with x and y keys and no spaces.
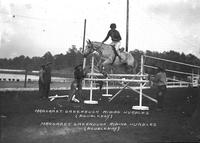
{"x":33,"y":27}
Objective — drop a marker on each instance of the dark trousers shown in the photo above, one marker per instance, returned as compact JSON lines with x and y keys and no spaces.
{"x":160,"y":95}
{"x":46,"y":89}
{"x":41,"y":89}
{"x":76,"y":89}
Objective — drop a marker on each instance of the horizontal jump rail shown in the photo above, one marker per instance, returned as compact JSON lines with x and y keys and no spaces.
{"x":177,"y":86}
{"x":194,"y":66}
{"x":173,"y":71}
{"x":120,"y":80}
{"x":117,"y":75}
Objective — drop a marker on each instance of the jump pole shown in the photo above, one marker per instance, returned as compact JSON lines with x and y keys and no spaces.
{"x":140,"y":107}
{"x":127,"y":86}
{"x":83,"y":50}
{"x":56,"y":96}
{"x":91,"y":86}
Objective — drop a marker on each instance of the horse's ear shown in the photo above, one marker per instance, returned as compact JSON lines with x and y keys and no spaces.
{"x":89,"y":41}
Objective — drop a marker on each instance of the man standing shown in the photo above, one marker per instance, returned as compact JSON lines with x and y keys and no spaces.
{"x":115,"y":37}
{"x":76,"y":85}
{"x":47,"y":79}
{"x":160,"y":82}
{"x":41,"y":82}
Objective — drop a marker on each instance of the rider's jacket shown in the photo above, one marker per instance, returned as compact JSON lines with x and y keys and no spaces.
{"x":114,"y":34}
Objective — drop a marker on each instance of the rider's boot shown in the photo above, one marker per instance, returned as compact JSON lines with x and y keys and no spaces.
{"x":118,"y":54}
{"x":120,"y":58}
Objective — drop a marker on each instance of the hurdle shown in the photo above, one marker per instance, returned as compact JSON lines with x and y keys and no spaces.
{"x":142,"y":84}
{"x":117,"y":77}
{"x":91,"y":101}
{"x":140,"y":106}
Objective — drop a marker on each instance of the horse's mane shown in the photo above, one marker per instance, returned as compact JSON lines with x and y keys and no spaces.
{"x":100,"y":43}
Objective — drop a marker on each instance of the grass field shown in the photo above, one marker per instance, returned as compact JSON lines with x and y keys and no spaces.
{"x":27,"y":119}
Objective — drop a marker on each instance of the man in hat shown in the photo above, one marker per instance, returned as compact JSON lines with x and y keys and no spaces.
{"x":76,"y":85}
{"x":115,"y":37}
{"x":47,"y":79}
{"x":160,"y":82}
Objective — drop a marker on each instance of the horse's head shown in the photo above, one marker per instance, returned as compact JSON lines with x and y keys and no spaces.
{"x":92,"y":47}
{"x":89,"y":48}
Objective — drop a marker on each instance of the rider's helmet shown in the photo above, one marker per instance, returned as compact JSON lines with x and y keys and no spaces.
{"x":113,"y":25}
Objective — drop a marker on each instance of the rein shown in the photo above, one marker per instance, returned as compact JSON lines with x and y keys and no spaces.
{"x":98,"y":50}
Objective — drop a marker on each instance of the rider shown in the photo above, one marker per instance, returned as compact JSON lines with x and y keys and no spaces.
{"x":116,"y":38}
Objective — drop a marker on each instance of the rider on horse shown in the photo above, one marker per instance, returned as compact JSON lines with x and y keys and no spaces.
{"x":116,"y":38}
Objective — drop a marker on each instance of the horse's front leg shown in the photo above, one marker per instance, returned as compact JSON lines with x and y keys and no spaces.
{"x":101,"y":69}
{"x":99,"y":65}
{"x":104,"y":64}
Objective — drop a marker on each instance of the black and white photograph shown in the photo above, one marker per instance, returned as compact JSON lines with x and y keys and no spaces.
{"x":100,"y":71}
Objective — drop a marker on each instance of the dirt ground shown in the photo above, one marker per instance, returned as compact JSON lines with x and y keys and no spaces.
{"x":27,"y":119}
{"x":32,"y":84}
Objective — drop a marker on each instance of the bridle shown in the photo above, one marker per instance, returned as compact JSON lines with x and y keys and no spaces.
{"x":93,"y":49}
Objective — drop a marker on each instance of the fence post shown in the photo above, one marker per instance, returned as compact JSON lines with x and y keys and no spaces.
{"x":26,"y":72}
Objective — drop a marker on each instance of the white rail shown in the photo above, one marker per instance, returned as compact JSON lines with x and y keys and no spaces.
{"x":195,"y":76}
{"x":194,"y":66}
{"x":120,"y":80}
{"x":118,"y":75}
{"x":173,"y":71}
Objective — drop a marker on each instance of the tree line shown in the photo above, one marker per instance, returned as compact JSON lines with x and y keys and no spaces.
{"x":59,"y":61}
{"x":74,"y":57}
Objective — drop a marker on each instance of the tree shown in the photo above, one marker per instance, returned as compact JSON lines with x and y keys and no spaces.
{"x":47,"y":57}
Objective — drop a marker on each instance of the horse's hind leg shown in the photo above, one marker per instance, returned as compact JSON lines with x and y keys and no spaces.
{"x":104,"y":64}
{"x":128,"y":69}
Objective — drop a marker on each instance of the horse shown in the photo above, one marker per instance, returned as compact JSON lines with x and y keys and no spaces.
{"x":108,"y":56}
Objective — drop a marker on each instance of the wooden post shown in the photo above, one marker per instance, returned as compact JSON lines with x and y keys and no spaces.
{"x":127,"y":24}
{"x":83,"y":50}
{"x":26,"y":72}
{"x":84,"y":60}
{"x":84,"y":36}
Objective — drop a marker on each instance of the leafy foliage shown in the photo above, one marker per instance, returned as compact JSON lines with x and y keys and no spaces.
{"x":74,"y":57}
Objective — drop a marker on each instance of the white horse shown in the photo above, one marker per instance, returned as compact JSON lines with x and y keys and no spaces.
{"x":109,"y":56}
